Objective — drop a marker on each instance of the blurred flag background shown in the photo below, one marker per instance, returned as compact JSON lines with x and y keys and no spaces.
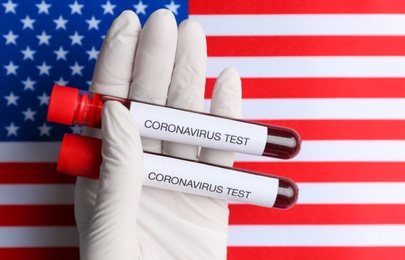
{"x":332,"y":70}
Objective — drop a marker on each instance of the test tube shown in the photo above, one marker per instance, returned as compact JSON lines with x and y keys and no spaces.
{"x":72,"y":106}
{"x":81,"y":156}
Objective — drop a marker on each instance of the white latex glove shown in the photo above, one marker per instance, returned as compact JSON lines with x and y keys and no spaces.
{"x":117,"y":217}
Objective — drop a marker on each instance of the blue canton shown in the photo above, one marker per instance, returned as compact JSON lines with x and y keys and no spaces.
{"x":45,"y":42}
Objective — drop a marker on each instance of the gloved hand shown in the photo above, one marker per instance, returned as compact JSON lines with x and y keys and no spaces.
{"x":117,"y":217}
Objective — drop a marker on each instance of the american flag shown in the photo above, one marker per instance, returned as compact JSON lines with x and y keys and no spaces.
{"x":333,"y":70}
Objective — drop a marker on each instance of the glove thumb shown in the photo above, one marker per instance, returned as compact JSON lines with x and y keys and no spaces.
{"x":113,"y":228}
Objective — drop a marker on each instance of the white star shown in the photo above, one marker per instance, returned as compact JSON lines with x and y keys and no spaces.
{"x":44,"y":129}
{"x":44,"y":38}
{"x":76,"y":8}
{"x":76,"y":39}
{"x":140,"y":8}
{"x":76,"y":69}
{"x":10,"y":37}
{"x":12,"y":99}
{"x":93,"y":23}
{"x":11,"y":68}
{"x":28,"y":22}
{"x":108,"y":8}
{"x":12,"y":129}
{"x":28,"y":84}
{"x":60,"y":23}
{"x":28,"y":53}
{"x":43,"y":7}
{"x":29,"y":114}
{"x":44,"y":99}
{"x":92,"y":53}
{"x":61,"y":53}
{"x":10,"y":7}
{"x":44,"y":69}
{"x":61,"y":82}
{"x":172,"y":7}
{"x":76,"y":129}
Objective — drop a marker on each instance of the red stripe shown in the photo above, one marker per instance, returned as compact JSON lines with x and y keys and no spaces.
{"x":318,"y":87}
{"x":317,"y":215}
{"x":32,"y":173}
{"x":296,"y":7}
{"x":345,"y":129}
{"x":316,"y":253}
{"x":37,"y":215}
{"x":331,"y":171}
{"x":235,"y":253}
{"x":298,"y":171}
{"x":38,"y":253}
{"x":59,"y":215}
{"x":306,"y":46}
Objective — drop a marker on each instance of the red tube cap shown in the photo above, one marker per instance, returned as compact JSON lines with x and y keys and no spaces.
{"x":80,"y":156}
{"x":62,"y":104}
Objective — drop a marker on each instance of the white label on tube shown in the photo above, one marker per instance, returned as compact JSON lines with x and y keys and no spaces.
{"x":180,"y":126}
{"x":206,"y":180}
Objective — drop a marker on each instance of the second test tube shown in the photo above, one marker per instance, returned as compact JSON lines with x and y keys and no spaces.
{"x":71,"y":106}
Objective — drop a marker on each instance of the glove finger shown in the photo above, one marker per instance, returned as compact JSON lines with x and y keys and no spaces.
{"x":114,"y":66}
{"x":112,"y":76}
{"x":187,"y":87}
{"x":153,"y":65}
{"x":226,"y":101}
{"x":113,"y":229}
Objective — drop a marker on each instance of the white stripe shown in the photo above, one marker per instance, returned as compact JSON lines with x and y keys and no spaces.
{"x":322,"y":108}
{"x":351,"y":193}
{"x":238,"y":235}
{"x":12,"y":237}
{"x":29,"y":151}
{"x":36,"y":194}
{"x":310,"y":193}
{"x":235,"y":25}
{"x":307,"y":67}
{"x":316,"y":235}
{"x":341,"y":151}
{"x":311,"y":151}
